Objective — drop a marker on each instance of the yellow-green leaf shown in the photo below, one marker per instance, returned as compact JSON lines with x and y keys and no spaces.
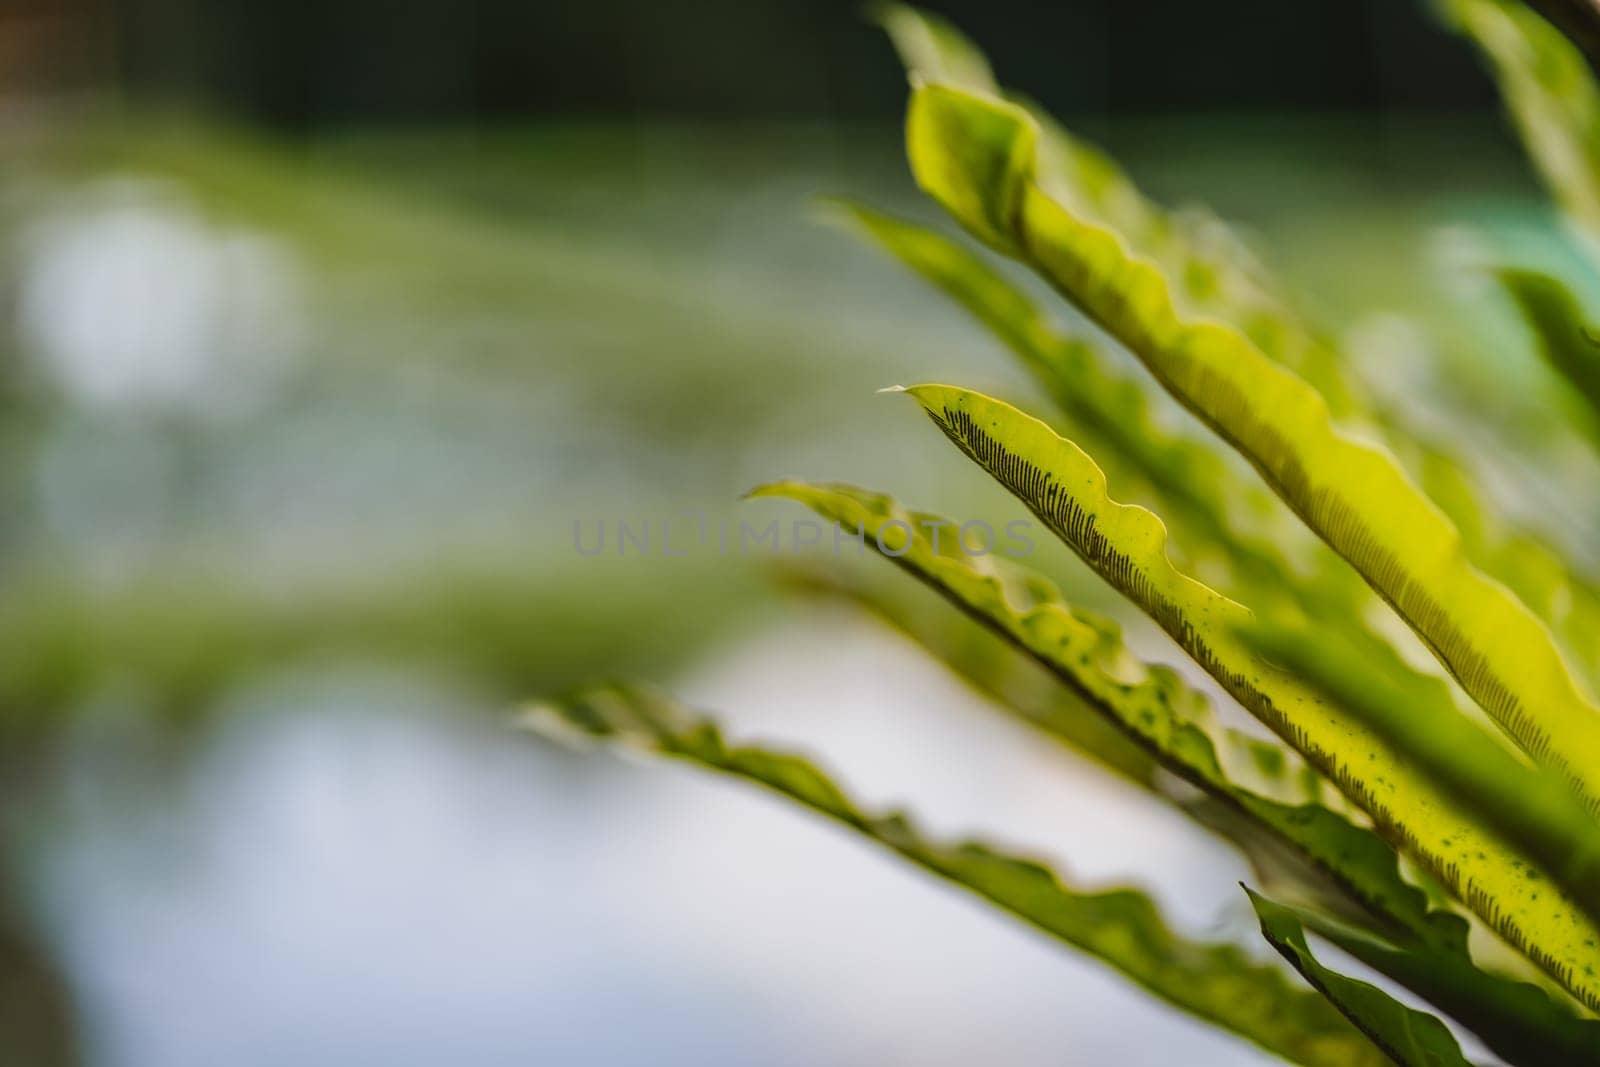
{"x":1212,"y":275}
{"x":1353,"y":495}
{"x":1215,"y":981}
{"x":1127,"y":546}
{"x":1532,"y":812}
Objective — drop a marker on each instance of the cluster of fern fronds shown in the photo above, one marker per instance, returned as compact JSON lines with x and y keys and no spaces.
{"x":1436,"y":821}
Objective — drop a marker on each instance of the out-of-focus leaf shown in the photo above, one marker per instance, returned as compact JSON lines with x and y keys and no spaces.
{"x":1127,"y":546}
{"x":1561,"y":334}
{"x":1151,"y":704}
{"x":1216,"y":982}
{"x":1405,"y":548}
{"x":1550,"y":94}
{"x":1519,"y":1021}
{"x":1579,"y":20}
{"x":1409,"y":1037}
{"x":933,"y":49}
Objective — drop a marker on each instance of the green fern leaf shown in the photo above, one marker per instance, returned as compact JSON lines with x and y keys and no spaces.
{"x":1215,"y":982}
{"x":1409,"y":1037}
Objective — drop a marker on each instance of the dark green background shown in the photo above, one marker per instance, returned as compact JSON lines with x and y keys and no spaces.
{"x":304,"y":64}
